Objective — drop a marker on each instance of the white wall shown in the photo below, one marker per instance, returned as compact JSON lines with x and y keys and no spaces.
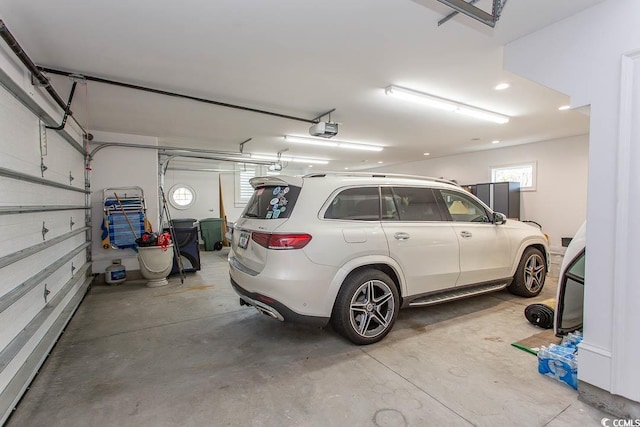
{"x":206,"y":186}
{"x":122,"y":167}
{"x":585,"y":56}
{"x":560,"y":201}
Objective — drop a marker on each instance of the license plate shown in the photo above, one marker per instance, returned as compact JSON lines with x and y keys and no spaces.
{"x":243,"y":242}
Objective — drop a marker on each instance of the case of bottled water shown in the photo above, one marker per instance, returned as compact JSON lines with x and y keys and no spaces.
{"x":561,"y":361}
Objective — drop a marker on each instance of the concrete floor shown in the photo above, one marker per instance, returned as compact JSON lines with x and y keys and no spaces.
{"x":189,"y":355}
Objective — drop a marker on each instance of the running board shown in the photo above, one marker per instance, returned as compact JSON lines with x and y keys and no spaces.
{"x":456,"y":294}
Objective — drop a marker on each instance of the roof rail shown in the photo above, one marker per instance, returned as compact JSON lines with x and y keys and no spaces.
{"x":381,"y":175}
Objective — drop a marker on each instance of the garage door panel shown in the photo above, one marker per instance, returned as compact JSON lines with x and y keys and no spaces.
{"x":17,"y":364}
{"x":30,"y":323}
{"x":20,"y":135}
{"x":61,"y":159}
{"x":17,"y":273}
{"x":67,"y":271}
{"x":20,"y":193}
{"x":17,"y":316}
{"x":25,"y":230}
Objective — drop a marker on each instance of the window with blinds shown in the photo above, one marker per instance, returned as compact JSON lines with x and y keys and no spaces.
{"x":244,"y":173}
{"x":244,"y":190}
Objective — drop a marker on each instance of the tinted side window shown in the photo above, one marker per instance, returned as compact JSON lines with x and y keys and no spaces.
{"x":415,"y":204}
{"x":361,"y":204}
{"x":463,"y":208}
{"x":271,"y":202}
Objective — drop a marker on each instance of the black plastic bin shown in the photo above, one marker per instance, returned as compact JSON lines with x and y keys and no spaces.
{"x":183,"y":222}
{"x":187,"y":243}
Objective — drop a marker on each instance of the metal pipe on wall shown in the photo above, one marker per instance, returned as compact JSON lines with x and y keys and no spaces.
{"x":102,"y":144}
{"x":67,"y":109}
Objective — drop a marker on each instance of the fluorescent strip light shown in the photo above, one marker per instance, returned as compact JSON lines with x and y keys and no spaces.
{"x":333,"y":143}
{"x":445,"y":104}
{"x":271,"y":157}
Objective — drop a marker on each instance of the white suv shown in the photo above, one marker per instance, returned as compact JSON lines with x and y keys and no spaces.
{"x":355,"y":248}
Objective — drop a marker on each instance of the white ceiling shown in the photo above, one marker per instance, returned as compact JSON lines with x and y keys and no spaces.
{"x":296,"y":57}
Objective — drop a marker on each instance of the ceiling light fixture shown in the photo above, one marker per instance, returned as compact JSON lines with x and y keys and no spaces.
{"x":495,"y":141}
{"x":502,"y":86}
{"x":564,"y":107}
{"x":334,"y":143}
{"x":427,"y":154}
{"x":276,"y":158}
{"x":445,"y":104}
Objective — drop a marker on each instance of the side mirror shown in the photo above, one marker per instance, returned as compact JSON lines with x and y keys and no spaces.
{"x":499,"y":218}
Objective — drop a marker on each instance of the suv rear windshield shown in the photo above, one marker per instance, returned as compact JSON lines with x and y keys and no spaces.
{"x":271,"y":202}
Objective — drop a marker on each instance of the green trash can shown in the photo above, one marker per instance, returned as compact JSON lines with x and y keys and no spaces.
{"x":211,"y":232}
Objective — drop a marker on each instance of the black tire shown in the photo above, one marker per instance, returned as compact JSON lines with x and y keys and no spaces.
{"x":354,"y":306}
{"x":217,"y":246}
{"x":530,"y":275}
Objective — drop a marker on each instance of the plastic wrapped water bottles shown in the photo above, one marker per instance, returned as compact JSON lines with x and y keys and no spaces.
{"x":561,"y":361}
{"x":572,"y":339}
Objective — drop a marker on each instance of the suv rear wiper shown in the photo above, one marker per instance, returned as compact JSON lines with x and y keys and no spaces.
{"x":251,"y":215}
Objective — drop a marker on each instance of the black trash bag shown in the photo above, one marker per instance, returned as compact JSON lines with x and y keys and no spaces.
{"x":147,"y":239}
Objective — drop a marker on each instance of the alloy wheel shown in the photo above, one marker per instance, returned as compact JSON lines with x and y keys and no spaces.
{"x":371,"y":308}
{"x":534,"y":272}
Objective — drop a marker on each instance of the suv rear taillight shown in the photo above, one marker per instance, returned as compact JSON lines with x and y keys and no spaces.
{"x":281,"y":240}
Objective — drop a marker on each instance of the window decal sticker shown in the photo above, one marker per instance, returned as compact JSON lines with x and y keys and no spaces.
{"x":269,"y":214}
{"x":274,"y":201}
{"x":276,"y":191}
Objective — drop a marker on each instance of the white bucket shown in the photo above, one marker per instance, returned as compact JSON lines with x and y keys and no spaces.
{"x":155,"y":264}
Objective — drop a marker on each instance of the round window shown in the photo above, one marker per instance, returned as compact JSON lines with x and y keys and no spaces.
{"x":182,"y":196}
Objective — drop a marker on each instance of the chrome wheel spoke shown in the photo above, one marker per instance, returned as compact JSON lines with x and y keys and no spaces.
{"x":365,"y":319}
{"x":380,"y":319}
{"x":370,"y":292}
{"x":383,"y":298}
{"x":359,"y":307}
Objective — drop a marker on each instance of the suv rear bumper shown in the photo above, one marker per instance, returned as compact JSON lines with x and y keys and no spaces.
{"x":275,"y":309}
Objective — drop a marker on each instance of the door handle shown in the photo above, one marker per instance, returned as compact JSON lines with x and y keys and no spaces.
{"x":401,"y":236}
{"x":465,"y":234}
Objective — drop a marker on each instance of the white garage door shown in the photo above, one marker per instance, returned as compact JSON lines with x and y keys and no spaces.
{"x":44,"y":236}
